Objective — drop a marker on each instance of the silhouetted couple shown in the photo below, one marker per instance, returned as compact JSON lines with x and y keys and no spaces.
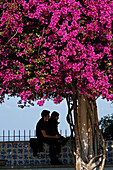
{"x":47,"y":132}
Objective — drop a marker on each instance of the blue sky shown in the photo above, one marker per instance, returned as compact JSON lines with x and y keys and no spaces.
{"x":13,"y":117}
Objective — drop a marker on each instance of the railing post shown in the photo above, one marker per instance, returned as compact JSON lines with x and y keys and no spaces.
{"x":19,"y":135}
{"x":3,"y":135}
{"x":65,"y":133}
{"x":14,"y":135}
{"x":29,"y":134}
{"x":24,"y":135}
{"x":8,"y":135}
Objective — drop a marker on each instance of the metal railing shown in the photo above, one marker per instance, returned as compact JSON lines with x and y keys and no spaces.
{"x":21,"y":136}
{"x":16,"y":135}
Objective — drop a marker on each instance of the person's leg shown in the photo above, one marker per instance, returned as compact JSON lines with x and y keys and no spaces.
{"x":54,"y":150}
{"x":51,"y":144}
{"x":63,"y":140}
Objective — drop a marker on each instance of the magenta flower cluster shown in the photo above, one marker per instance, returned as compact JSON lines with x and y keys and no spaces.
{"x":49,"y":46}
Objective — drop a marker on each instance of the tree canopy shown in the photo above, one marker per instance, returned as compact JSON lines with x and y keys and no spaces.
{"x":56,"y":49}
{"x":52,"y":48}
{"x":106,"y":126}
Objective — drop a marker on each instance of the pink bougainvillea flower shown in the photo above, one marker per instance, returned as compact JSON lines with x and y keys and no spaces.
{"x":68,"y":79}
{"x":41,"y":102}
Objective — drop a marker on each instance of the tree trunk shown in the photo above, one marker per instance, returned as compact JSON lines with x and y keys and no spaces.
{"x":90,"y":147}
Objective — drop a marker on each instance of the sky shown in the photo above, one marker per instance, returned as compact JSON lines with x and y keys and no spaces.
{"x":13,"y":117}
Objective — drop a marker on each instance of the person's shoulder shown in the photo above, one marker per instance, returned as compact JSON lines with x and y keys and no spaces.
{"x":40,"y":121}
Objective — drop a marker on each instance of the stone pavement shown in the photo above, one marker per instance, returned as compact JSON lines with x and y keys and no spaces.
{"x":55,"y":167}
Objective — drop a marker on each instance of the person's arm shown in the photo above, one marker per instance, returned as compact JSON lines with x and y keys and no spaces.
{"x":48,"y":136}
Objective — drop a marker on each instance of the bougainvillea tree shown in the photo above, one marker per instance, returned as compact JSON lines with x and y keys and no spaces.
{"x":57,"y":49}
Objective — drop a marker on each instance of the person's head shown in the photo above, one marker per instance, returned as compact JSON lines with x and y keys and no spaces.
{"x":55,"y":115}
{"x":45,"y":114}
